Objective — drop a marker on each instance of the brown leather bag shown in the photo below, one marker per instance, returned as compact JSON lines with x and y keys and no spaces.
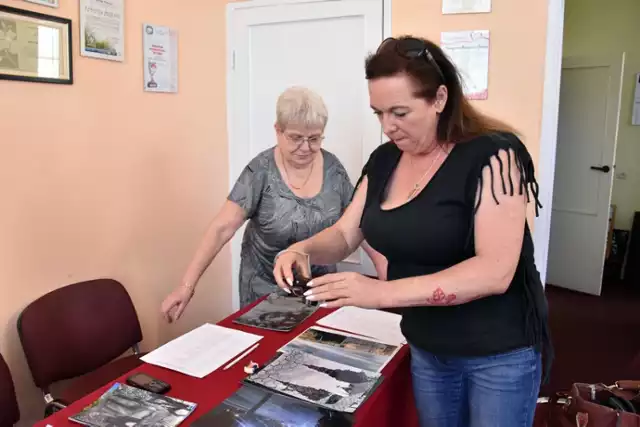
{"x":596,"y":405}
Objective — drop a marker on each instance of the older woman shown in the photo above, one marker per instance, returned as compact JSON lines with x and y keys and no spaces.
{"x":445,"y":202}
{"x":287,"y":193}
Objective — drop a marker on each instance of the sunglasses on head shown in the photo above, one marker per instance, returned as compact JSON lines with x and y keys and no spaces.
{"x":412,"y":48}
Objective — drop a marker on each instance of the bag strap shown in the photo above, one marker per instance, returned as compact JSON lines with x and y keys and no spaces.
{"x":631,"y":385}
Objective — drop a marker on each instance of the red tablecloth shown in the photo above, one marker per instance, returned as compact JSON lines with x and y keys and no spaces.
{"x":390,"y":405}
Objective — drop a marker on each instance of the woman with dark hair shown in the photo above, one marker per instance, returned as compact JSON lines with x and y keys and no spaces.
{"x":445,"y":201}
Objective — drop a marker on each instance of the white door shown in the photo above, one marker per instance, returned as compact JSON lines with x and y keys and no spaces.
{"x":587,"y":132}
{"x":318,"y":44}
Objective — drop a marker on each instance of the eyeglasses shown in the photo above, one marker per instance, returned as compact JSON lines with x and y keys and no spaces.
{"x":314,"y":141}
{"x":412,"y":48}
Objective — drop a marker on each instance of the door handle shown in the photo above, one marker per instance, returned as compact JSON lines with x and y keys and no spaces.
{"x":604,"y":169}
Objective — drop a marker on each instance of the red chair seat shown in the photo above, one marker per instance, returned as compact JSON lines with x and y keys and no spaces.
{"x":9,"y":410}
{"x":85,"y":384}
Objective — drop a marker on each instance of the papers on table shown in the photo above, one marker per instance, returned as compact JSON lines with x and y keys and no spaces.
{"x":202,"y":350}
{"x":377,"y":324}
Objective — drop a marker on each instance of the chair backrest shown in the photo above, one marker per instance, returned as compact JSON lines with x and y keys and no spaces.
{"x":76,"y":329}
{"x":9,"y":411}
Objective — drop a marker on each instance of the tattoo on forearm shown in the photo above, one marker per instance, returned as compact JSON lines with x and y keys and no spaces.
{"x":440,"y":298}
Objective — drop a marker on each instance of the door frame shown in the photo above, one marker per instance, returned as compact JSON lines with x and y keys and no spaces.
{"x":234,"y":155}
{"x":615,"y":64}
{"x":549,"y":132}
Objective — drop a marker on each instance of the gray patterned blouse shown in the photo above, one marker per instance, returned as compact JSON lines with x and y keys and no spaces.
{"x":278,"y":218}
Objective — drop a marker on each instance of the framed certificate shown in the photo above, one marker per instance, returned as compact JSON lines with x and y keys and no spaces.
{"x":35,"y":47}
{"x":102,"y":29}
{"x":50,"y":3}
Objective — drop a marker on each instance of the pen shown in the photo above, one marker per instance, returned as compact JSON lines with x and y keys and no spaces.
{"x":237,"y":359}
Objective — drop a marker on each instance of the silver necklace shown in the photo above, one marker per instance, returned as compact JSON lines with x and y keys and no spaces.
{"x":418,"y":184}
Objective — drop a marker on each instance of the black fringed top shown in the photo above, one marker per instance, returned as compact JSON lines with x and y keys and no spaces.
{"x":434,"y":231}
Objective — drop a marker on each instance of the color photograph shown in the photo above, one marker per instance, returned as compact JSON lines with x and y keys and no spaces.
{"x":343,"y":348}
{"x":256,"y":407}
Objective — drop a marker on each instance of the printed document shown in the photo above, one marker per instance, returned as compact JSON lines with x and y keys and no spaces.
{"x":202,"y":350}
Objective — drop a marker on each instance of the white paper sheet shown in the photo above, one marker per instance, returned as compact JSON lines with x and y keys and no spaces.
{"x":202,"y":350}
{"x":466,"y":6}
{"x":380,"y":325}
{"x":469,"y":51}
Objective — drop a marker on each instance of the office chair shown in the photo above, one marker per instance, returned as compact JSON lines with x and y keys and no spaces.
{"x":9,"y":411}
{"x":77,"y":332}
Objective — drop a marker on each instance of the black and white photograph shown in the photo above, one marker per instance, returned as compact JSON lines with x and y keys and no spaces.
{"x":126,"y":406}
{"x":323,"y":382}
{"x":343,"y":348}
{"x":277,"y":312}
{"x":257,"y":407}
{"x":8,"y":44}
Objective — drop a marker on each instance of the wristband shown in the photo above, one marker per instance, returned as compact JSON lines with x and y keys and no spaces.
{"x":192,"y":289}
{"x":290,"y":250}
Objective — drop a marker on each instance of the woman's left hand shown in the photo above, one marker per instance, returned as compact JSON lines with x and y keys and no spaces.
{"x":340,"y":289}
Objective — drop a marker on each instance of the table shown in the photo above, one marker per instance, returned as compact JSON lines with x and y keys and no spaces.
{"x":390,"y":405}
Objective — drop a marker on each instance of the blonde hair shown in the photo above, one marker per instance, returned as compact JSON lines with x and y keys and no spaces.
{"x":301,"y":106}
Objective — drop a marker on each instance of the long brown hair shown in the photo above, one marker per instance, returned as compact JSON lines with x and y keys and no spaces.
{"x":428,"y":68}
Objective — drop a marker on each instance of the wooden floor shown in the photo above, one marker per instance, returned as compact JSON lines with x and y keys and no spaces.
{"x":596,"y":339}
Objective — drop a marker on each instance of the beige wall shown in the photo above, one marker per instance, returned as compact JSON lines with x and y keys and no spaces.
{"x":110,"y":181}
{"x":100,"y":179}
{"x":595,"y":27}
{"x":516,"y":57}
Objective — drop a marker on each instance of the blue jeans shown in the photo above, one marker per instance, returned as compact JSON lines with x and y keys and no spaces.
{"x":491,"y":391}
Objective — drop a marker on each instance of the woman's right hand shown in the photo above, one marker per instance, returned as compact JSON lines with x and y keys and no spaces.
{"x":174,"y":304}
{"x":284,"y":267}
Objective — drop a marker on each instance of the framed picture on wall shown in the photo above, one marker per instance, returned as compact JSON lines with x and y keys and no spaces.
{"x":102,"y":29}
{"x":50,"y":3}
{"x":35,"y":47}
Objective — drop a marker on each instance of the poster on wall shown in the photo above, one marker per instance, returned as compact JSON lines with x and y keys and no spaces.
{"x":469,"y":51}
{"x":102,"y":29}
{"x":50,"y":3}
{"x":160,"y":46}
{"x":465,"y":6}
